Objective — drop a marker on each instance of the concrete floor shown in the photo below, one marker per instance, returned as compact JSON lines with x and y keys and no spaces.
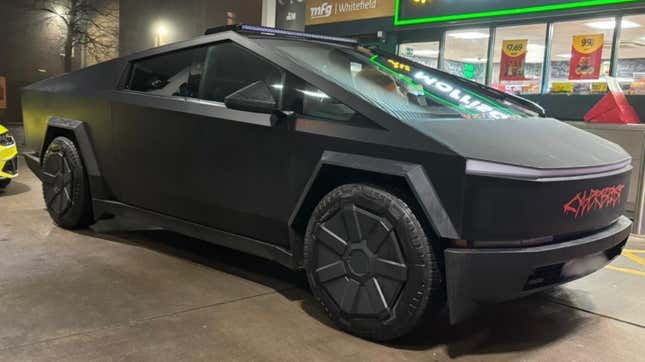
{"x":152,"y":295}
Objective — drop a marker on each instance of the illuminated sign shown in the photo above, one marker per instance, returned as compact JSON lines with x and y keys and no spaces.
{"x":458,"y":95}
{"x":443,"y":91}
{"x":410,"y":12}
{"x":586,"y":56}
{"x":398,"y":65}
{"x":333,"y":11}
{"x":469,"y":71}
{"x":513,"y":59}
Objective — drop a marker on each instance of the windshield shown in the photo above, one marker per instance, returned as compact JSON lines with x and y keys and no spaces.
{"x":404,"y":89}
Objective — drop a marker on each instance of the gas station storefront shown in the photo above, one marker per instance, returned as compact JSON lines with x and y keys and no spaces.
{"x":554,"y":52}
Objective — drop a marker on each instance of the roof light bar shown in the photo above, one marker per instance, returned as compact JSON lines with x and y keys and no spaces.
{"x":274,"y":31}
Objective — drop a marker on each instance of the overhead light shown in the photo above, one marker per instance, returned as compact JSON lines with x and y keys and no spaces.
{"x":59,"y":10}
{"x":474,"y":60}
{"x":611,"y":24}
{"x":567,"y":56}
{"x":425,"y":52}
{"x":469,"y":35}
{"x":161,"y":30}
{"x":40,"y":70}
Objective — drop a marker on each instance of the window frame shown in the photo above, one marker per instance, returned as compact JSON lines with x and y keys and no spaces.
{"x":283,"y":72}
{"x":444,"y":39}
{"x":203,"y":42}
{"x":619,"y":36}
{"x":546,"y":60}
{"x":198,"y":102}
{"x":126,"y":80}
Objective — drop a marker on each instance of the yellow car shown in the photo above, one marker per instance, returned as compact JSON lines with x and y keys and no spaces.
{"x":8,"y":158}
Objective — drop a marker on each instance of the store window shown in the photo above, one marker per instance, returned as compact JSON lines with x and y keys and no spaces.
{"x":466,"y":53}
{"x":630,"y":69}
{"x":518,"y":58}
{"x":423,"y":53}
{"x":580,"y":55}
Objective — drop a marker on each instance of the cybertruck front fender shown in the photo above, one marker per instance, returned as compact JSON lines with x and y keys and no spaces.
{"x":57,"y":126}
{"x":414,"y":175}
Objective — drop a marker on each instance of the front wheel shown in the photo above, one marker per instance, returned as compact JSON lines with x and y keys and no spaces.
{"x":65,"y":185}
{"x":369,"y":262}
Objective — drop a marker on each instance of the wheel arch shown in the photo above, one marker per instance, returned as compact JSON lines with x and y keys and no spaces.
{"x":77,"y":132}
{"x":335,"y":169}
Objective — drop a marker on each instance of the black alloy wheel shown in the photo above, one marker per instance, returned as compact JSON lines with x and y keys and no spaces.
{"x":65,"y":185}
{"x":369,"y":263}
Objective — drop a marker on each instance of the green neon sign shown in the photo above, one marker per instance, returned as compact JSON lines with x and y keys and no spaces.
{"x":503,"y":12}
{"x":469,"y":71}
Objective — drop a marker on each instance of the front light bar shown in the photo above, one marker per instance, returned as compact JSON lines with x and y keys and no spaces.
{"x":493,"y":169}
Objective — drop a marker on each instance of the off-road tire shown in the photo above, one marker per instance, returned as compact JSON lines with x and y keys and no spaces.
{"x":65,"y":185}
{"x":4,"y":183}
{"x":369,"y":262}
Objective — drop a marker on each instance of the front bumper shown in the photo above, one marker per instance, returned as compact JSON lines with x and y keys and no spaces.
{"x":8,"y":161}
{"x":480,"y":276}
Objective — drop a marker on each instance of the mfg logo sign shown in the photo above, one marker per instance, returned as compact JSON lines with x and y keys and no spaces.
{"x":321,"y":11}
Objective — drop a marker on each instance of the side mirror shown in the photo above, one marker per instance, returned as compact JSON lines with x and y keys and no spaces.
{"x":255,"y":97}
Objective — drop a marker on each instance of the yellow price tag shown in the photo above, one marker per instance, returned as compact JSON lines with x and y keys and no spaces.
{"x":562,"y":87}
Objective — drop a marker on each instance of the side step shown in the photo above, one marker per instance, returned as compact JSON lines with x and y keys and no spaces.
{"x":218,"y":237}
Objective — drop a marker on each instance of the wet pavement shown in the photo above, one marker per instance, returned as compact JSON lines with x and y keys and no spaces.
{"x":107,"y":294}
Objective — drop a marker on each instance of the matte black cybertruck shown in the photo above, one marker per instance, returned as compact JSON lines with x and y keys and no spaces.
{"x":395,"y":186}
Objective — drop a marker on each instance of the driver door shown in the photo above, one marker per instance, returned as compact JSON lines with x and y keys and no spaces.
{"x":238,"y":162}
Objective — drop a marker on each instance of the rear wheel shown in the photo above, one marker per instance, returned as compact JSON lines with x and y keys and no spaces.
{"x":369,"y":262}
{"x":65,"y":185}
{"x":4,"y":182}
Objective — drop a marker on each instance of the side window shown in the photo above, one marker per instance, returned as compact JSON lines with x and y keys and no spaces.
{"x":307,"y":100}
{"x":229,"y":68}
{"x":317,"y":104}
{"x":172,"y":74}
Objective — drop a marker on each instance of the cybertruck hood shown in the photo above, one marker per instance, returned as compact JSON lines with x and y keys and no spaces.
{"x":540,"y":143}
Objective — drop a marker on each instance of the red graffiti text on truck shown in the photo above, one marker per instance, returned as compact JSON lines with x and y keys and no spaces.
{"x":594,"y":199}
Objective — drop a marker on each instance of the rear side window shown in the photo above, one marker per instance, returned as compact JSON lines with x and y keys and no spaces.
{"x":168,"y":74}
{"x":229,"y":68}
{"x":210,"y":72}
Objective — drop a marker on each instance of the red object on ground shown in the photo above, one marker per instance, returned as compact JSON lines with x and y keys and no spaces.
{"x":612,"y":108}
